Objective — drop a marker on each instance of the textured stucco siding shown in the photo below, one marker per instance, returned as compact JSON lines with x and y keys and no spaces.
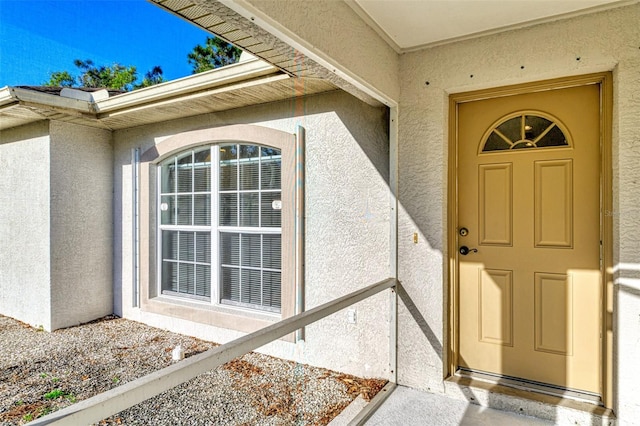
{"x":81,"y":224}
{"x":24,"y":224}
{"x":347,"y":223}
{"x":599,"y":42}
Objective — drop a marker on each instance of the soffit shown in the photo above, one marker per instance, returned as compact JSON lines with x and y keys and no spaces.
{"x":410,"y":25}
{"x":17,"y":115}
{"x":227,"y":24}
{"x":264,"y":90}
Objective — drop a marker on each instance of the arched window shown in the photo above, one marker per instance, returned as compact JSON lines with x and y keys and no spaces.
{"x":525,"y":130}
{"x":220,"y":219}
{"x":217,"y":226}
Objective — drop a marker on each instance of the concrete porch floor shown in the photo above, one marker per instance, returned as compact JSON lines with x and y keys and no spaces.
{"x":407,"y":407}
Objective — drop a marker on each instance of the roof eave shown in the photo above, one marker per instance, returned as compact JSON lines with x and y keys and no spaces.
{"x":230,"y":74}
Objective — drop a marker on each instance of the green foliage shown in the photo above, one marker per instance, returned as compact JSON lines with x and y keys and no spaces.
{"x":116,"y":76}
{"x":215,"y":53}
{"x":27,"y":417}
{"x":112,"y":77}
{"x":151,"y":78}
{"x":61,"y":79}
{"x":54,"y":394}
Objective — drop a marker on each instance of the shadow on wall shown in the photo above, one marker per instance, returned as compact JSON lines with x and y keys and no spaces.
{"x":420,"y":320}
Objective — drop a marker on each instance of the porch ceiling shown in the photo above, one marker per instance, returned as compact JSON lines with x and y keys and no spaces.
{"x":410,"y":25}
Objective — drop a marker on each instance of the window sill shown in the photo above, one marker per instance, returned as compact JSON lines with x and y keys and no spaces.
{"x":232,"y":318}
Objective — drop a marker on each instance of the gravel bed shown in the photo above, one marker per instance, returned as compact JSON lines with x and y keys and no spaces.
{"x":42,"y":372}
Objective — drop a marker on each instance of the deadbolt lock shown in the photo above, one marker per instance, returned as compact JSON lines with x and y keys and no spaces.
{"x":463,"y":232}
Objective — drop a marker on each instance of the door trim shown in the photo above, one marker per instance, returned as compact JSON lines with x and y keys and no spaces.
{"x":605,"y":81}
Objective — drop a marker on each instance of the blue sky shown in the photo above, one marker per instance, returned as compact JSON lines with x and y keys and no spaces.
{"x":38,"y":37}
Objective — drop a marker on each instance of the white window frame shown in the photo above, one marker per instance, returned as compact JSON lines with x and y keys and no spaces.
{"x":214,"y":228}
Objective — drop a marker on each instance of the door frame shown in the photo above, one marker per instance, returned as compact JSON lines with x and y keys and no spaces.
{"x":605,"y":81}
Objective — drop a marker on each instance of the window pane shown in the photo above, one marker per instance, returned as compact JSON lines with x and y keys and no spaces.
{"x":271,"y":289}
{"x":228,"y":209}
{"x":269,"y":152}
{"x":170,"y":245}
{"x":202,"y":209}
{"x":185,"y":168}
{"x":249,"y":151}
{"x":271,"y":251}
{"x":168,"y":173}
{"x":270,"y":168}
{"x":495,"y":143}
{"x":228,"y":176}
{"x":203,"y":247}
{"x":229,"y":152}
{"x":186,"y":246}
{"x":167,"y":210}
{"x":251,"y":287}
{"x":202,"y":171}
{"x":184,"y":210}
{"x":249,"y":209}
{"x":554,"y":137}
{"x":169,"y":276}
{"x":203,"y":280}
{"x":251,"y":250}
{"x":230,"y":278}
{"x":512,"y":129}
{"x":249,"y":175}
{"x":229,"y":248}
{"x":186,"y":283}
{"x":270,"y":215}
{"x":534,"y":126}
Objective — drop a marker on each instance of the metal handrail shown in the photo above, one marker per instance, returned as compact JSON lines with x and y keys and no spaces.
{"x":113,"y":401}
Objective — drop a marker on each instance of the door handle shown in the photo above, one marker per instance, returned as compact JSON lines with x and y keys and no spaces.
{"x":464,"y":250}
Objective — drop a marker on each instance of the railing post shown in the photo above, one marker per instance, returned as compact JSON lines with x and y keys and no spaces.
{"x":393,"y":242}
{"x":393,"y":334}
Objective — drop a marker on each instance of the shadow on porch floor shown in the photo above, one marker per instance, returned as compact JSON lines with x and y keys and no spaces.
{"x":408,"y":407}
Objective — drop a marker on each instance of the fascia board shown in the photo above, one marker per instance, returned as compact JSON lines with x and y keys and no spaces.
{"x":187,"y":85}
{"x":45,"y":100}
{"x":190,"y":95}
{"x":6,"y":97}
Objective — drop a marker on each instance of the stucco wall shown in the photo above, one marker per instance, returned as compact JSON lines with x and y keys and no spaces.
{"x":347,"y":244}
{"x":24,"y":220}
{"x":81,"y":224}
{"x":599,"y":42}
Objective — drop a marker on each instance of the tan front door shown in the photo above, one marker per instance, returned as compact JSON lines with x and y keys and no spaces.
{"x":529,"y":196}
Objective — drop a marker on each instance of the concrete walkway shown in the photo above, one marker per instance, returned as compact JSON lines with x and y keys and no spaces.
{"x":408,"y":407}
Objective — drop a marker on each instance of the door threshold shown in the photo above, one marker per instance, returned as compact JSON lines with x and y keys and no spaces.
{"x":557,"y":408}
{"x":531,"y":386}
